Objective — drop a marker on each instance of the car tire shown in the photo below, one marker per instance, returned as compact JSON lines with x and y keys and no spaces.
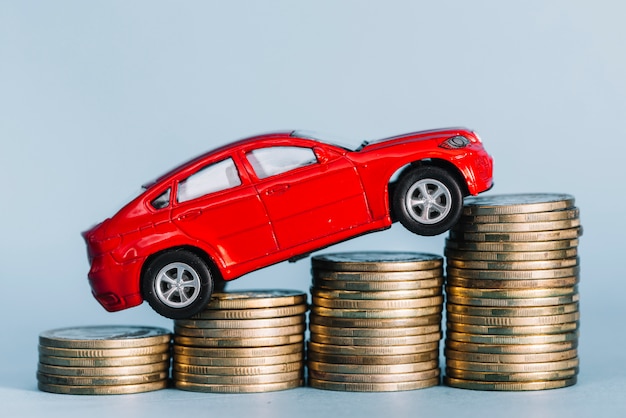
{"x":177,"y":284}
{"x":427,"y":200}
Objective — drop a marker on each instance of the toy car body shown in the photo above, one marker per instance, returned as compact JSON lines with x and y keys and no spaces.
{"x":270,"y":198}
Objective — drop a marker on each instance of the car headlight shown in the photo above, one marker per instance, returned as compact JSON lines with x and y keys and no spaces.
{"x":455,"y":142}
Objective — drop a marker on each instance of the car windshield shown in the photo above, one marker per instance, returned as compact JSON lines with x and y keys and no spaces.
{"x":328,"y":139}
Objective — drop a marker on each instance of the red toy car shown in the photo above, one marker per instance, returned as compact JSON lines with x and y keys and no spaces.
{"x":270,"y":198}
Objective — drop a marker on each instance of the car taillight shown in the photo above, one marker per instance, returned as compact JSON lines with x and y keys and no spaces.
{"x":456,"y":142}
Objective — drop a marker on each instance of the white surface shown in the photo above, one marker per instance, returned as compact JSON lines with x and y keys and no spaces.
{"x":98,"y":98}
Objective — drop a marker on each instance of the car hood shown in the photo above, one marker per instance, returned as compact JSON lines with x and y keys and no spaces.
{"x":433,"y":134}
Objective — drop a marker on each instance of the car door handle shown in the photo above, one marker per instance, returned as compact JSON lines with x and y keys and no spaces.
{"x":278,"y":189}
{"x":187,"y":216}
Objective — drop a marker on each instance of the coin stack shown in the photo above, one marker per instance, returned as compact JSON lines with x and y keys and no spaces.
{"x":375,"y":321}
{"x":512,"y":296}
{"x":104,"y":360}
{"x":244,"y":342}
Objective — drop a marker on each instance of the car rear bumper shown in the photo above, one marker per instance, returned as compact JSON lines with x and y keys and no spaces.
{"x":115,"y":285}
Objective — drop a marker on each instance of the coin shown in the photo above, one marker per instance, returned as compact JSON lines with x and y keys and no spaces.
{"x":238,"y":388}
{"x":389,"y":295}
{"x":514,"y":367}
{"x":102,"y":390}
{"x":380,"y":286}
{"x":378,"y":276}
{"x":513,"y":284}
{"x":246,"y":352}
{"x":504,"y":321}
{"x":374,"y":323}
{"x":493,"y":274}
{"x":373,"y":378}
{"x":253,"y":299}
{"x":238,"y":361}
{"x":511,"y":348}
{"x":508,"y":339}
{"x":373,"y":369}
{"x":472,"y":226}
{"x":103,"y":361}
{"x":367,"y":304}
{"x":377,"y":261}
{"x":364,"y":360}
{"x":511,"y":376}
{"x":238,"y":342}
{"x":224,"y":324}
{"x":103,"y":371}
{"x":509,"y":256}
{"x":239,"y":370}
{"x":372,"y":350}
{"x":510,"y":358}
{"x":513,"y":330}
{"x":101,"y":380}
{"x":517,"y":203}
{"x":545,"y":216}
{"x":376,"y":341}
{"x":512,"y":303}
{"x":259,"y":379}
{"x":508,"y":386}
{"x":373,"y":387}
{"x":514,"y":265}
{"x":554,"y":235}
{"x":512,"y":313}
{"x":373,"y":332}
{"x":105,"y":336}
{"x":105,"y":352}
{"x":257,"y":313}
{"x":543,"y":292}
{"x":376,"y":314}
{"x":511,"y":246}
{"x":239,"y":333}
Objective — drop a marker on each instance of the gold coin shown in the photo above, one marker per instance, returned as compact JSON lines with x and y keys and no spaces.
{"x":516,"y":226}
{"x":510,"y":358}
{"x":514,"y":284}
{"x":374,"y":360}
{"x":105,"y":336}
{"x":103,"y":371}
{"x":510,"y":256}
{"x":381,"y":286}
{"x":102,"y":390}
{"x":508,"y":386}
{"x":389,"y":295}
{"x":246,"y":352}
{"x":375,"y":276}
{"x":513,"y":330}
{"x":251,"y":388}
{"x":257,"y":313}
{"x":103,"y":361}
{"x":373,"y":387}
{"x":239,"y":333}
{"x":376,"y":261}
{"x":505,"y":247}
{"x":393,"y":350}
{"x":511,"y":377}
{"x":238,"y":342}
{"x":374,"y":378}
{"x":514,"y":367}
{"x":373,"y":332}
{"x":373,"y":369}
{"x":557,"y":215}
{"x":371,"y":323}
{"x":395,"y":304}
{"x":493,"y":274}
{"x":511,"y":348}
{"x":237,"y":380}
{"x":513,"y":303}
{"x":511,"y":294}
{"x":377,"y":314}
{"x":238,"y":370}
{"x":224,"y":324}
{"x":507,"y":321}
{"x":376,"y":341}
{"x":254,"y":299}
{"x":105,"y":352}
{"x":508,"y":339}
{"x":512,"y":312}
{"x":514,"y":265}
{"x":52,"y":379}
{"x":507,"y":204}
{"x":238,"y":361}
{"x":556,"y":235}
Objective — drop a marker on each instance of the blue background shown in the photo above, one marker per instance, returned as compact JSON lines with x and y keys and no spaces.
{"x":97,"y":98}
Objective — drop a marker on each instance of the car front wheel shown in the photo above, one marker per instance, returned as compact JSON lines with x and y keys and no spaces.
{"x":428,"y":201}
{"x":177,"y":284}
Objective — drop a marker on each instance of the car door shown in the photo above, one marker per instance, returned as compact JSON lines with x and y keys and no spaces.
{"x":307,"y":198}
{"x":215,"y":206}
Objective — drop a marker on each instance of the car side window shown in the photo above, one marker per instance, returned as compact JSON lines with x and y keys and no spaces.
{"x":212,"y":178}
{"x":163,"y":200}
{"x":270,"y":161}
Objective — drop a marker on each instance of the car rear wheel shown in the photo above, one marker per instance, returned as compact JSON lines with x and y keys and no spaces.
{"x":428,"y":200}
{"x":177,"y":284}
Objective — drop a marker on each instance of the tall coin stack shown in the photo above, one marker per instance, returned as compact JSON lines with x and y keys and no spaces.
{"x":244,"y":342}
{"x":104,"y":360}
{"x":512,"y":295}
{"x":375,"y":321}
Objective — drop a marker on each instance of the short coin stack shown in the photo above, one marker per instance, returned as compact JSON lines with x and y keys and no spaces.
{"x":244,"y":342}
{"x":512,"y":296}
{"x":375,"y":321}
{"x":104,"y":360}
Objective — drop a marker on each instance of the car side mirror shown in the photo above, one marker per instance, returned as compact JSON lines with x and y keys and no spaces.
{"x":321,"y":155}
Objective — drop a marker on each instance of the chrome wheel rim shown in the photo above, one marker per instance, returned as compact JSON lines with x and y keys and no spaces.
{"x":428,"y":201}
{"x":177,"y":285}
